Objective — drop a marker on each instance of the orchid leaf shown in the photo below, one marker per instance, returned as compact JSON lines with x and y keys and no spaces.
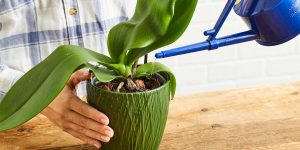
{"x":184,"y":10}
{"x":149,"y":23}
{"x":37,"y":88}
{"x":155,"y":67}
{"x":102,"y":74}
{"x":121,"y":69}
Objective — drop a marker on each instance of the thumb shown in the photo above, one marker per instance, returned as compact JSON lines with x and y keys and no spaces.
{"x":79,"y":76}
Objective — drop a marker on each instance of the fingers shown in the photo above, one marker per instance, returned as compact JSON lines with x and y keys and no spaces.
{"x":79,"y":76}
{"x":89,"y":133}
{"x":89,"y":124}
{"x":88,"y":111}
{"x":76,"y":117}
{"x":84,"y":138}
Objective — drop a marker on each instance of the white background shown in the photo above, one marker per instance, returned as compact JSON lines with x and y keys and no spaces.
{"x":242,"y":65}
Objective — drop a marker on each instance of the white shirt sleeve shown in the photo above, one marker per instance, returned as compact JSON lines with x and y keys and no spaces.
{"x":8,"y":77}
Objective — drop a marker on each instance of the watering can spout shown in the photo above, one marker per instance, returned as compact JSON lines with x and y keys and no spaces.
{"x":271,"y":22}
{"x":210,"y":45}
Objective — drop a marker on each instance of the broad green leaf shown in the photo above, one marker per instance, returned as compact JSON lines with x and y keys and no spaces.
{"x":149,"y":23}
{"x":184,"y":10}
{"x":102,"y":74}
{"x":154,"y":67}
{"x":121,"y":69}
{"x":38,"y":87}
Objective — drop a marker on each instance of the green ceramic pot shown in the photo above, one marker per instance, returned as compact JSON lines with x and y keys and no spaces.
{"x":138,"y":119}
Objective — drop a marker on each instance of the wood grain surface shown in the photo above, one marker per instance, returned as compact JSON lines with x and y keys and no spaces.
{"x":264,"y":118}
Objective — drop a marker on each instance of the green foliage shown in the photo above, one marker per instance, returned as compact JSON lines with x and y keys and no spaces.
{"x":155,"y":23}
{"x":149,"y":22}
{"x":155,"y":67}
{"x":38,"y":87}
{"x":183,"y":12}
{"x":102,"y":74}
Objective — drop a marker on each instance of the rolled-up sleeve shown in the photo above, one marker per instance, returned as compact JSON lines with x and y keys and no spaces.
{"x":8,"y":77}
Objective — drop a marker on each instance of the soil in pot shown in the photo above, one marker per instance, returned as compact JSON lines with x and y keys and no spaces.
{"x":126,"y":86}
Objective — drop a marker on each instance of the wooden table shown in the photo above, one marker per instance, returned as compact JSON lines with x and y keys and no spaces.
{"x":254,"y":118}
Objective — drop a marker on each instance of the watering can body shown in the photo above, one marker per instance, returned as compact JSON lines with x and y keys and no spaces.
{"x":275,"y":21}
{"x":271,"y":22}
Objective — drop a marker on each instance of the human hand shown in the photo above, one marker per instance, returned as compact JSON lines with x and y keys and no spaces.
{"x":76,"y":117}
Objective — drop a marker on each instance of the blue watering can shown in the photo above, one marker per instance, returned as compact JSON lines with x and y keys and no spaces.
{"x":272,"y":22}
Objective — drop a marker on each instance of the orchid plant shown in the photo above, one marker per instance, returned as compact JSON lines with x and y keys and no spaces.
{"x":155,"y":23}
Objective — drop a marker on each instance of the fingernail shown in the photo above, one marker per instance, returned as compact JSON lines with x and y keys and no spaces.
{"x":109,"y":133}
{"x":86,"y":73}
{"x":105,"y":138}
{"x":97,"y":146}
{"x":105,"y":121}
